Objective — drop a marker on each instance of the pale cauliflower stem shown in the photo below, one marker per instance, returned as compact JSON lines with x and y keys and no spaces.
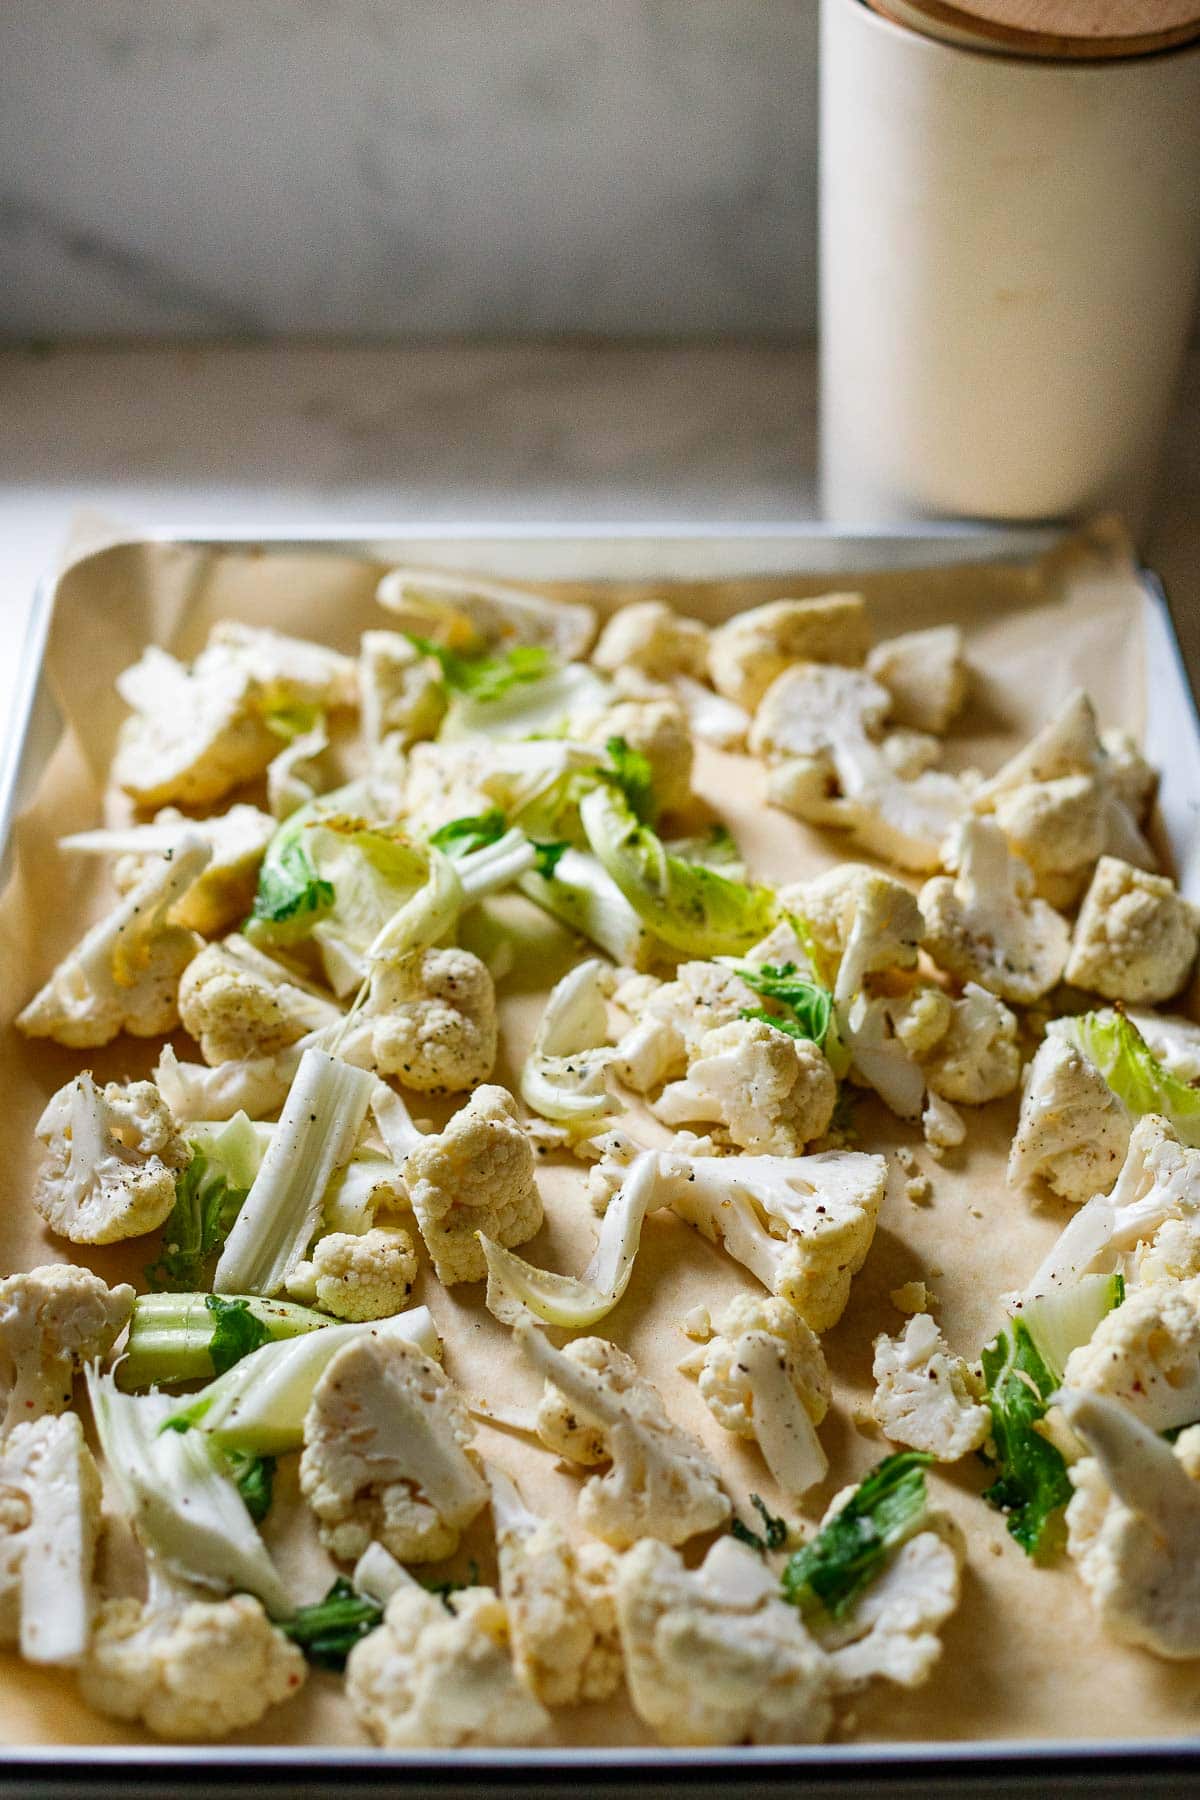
{"x":658,"y":729}
{"x":771,"y":1092}
{"x":197,"y":1669}
{"x":124,"y":976}
{"x":1133,"y":1525}
{"x":1146,"y":1353}
{"x":1073,"y":1131}
{"x":1136,"y":936}
{"x":358,"y":1276}
{"x":561,"y":1608}
{"x":891,"y":1634}
{"x":401,"y":690}
{"x":223,"y":892}
{"x":819,"y":730}
{"x":859,"y":922}
{"x":433,"y":1020}
{"x":801,"y":1225}
{"x":661,"y":1482}
{"x":475,"y":1176}
{"x":713,"y":1655}
{"x":465,"y":611}
{"x":983,"y":924}
{"x":763,"y":1376}
{"x":442,"y":1677}
{"x":977,"y":1057}
{"x":300,"y":774}
{"x":113,"y":1154}
{"x":925,"y":674}
{"x":239,"y":1003}
{"x":925,"y":1396}
{"x":671,"y":1017}
{"x":747,"y":653}
{"x":652,"y":637}
{"x":54,"y":1320}
{"x":49,"y":1529}
{"x":386,"y":1454}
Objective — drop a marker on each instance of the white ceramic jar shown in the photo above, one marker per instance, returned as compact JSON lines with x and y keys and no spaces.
{"x":1010,"y":256}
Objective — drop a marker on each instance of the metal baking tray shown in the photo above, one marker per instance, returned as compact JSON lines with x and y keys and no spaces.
{"x":930,"y":1771}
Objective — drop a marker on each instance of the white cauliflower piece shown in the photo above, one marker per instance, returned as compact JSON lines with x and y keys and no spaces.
{"x":1128,"y":773}
{"x":401,"y":690}
{"x":1073,"y":1131}
{"x":652,"y":637}
{"x":910,"y":753}
{"x":461,"y":611}
{"x":818,"y":730}
{"x":124,"y":975}
{"x":475,"y":1176}
{"x":943,"y":1126}
{"x":747,"y":653}
{"x":891,"y":1632}
{"x":49,"y":1529}
{"x":771,"y":1092}
{"x":442,"y":1677}
{"x":387,"y":1454}
{"x":977,"y":1058}
{"x":983,"y":925}
{"x":861,"y":923}
{"x":239,"y":1003}
{"x":196,"y":733}
{"x":658,"y":729}
{"x":1136,"y":936}
{"x":925,"y":1396}
{"x":763,"y":1376}
{"x":433,"y":1020}
{"x":53,"y":1320}
{"x":358,"y":1275}
{"x":561,"y":1613}
{"x":671,"y":1017}
{"x":1133,"y":1525}
{"x":290,"y":671}
{"x":925,"y":674}
{"x":223,"y":891}
{"x":113,"y":1157}
{"x":802,"y":1225}
{"x":713,"y":1655}
{"x":1058,"y":829}
{"x":299,"y":774}
{"x":661,"y":1482}
{"x":1146,"y":1353}
{"x":197,"y":1670}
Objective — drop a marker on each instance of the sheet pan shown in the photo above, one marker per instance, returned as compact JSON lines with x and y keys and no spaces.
{"x":168,"y":588}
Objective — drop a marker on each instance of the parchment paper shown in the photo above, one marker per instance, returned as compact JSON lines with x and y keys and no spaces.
{"x":1024,"y":1657}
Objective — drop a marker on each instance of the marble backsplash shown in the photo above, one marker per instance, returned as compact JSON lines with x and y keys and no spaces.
{"x":637,"y":168}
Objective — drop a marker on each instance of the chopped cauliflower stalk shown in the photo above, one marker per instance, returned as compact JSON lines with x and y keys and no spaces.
{"x":925,"y":1396}
{"x":763,"y":1376}
{"x":747,"y":653}
{"x":984,"y":925}
{"x":925,"y":674}
{"x":433,"y":1020}
{"x":222,"y":893}
{"x":49,"y":1529}
{"x":1135,"y":938}
{"x":771,"y":1092}
{"x":113,"y":1154}
{"x":53,"y":1320}
{"x":475,"y":1176}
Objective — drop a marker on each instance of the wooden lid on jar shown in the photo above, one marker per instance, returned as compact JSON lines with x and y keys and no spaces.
{"x":1078,"y":29}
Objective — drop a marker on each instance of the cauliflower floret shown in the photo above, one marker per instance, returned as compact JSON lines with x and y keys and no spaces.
{"x":925,"y":1396}
{"x":436,"y":1676}
{"x":561,"y":1614}
{"x":1146,"y":1353}
{"x":909,"y":754}
{"x":747,"y":653}
{"x":1136,"y":936}
{"x":53,"y":1320}
{"x":290,"y":671}
{"x":818,"y":729}
{"x":460,"y":611}
{"x":402,"y":691}
{"x":1172,"y":1254}
{"x":196,"y":733}
{"x":433,"y":1020}
{"x":771,"y":1092}
{"x":1073,"y":1131}
{"x":658,"y":729}
{"x":977,"y":1058}
{"x":201,"y":1669}
{"x":476,"y":1175}
{"x":113,"y":1155}
{"x":386,"y":1454}
{"x":925,"y":674}
{"x":1128,"y":773}
{"x":49,"y":1529}
{"x":983,"y":926}
{"x":357,"y":1276}
{"x":891,"y":1632}
{"x":124,"y":976}
{"x":802,"y":1225}
{"x":861,"y":922}
{"x":763,"y":1376}
{"x":652,"y":637}
{"x":713,"y":1655}
{"x":661,"y":1482}
{"x":224,"y":890}
{"x":238,"y":1003}
{"x":672,"y":1017}
{"x":1133,"y":1526}
{"x":1057,"y":828}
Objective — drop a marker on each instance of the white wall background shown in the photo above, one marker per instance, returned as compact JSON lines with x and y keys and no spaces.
{"x":407,"y":167}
